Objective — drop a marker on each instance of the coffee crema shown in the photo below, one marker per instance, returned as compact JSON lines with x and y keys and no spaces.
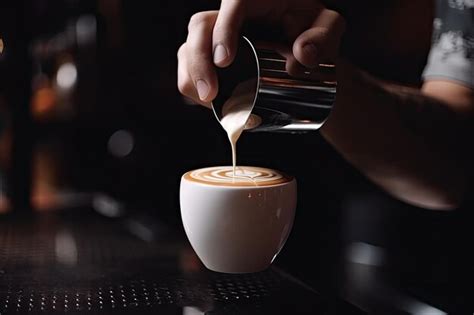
{"x":244,"y":176}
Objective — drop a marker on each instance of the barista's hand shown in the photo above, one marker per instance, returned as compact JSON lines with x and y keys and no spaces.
{"x":313,"y":31}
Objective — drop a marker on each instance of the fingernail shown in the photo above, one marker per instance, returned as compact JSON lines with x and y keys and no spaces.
{"x":220,"y":54}
{"x":312,"y":53}
{"x":202,"y":89}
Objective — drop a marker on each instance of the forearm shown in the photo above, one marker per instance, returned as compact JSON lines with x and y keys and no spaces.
{"x":413,"y":146}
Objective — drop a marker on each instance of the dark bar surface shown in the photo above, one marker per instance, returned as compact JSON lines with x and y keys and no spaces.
{"x":82,"y":263}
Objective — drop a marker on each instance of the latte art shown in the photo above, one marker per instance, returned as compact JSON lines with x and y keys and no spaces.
{"x":244,"y":176}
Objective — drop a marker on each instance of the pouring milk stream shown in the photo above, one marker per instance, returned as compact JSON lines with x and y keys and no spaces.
{"x":236,"y":113}
{"x":256,"y":92}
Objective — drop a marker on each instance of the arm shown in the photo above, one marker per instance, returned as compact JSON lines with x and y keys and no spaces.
{"x":413,"y":143}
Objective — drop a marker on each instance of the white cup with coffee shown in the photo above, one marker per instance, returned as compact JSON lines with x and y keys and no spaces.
{"x":237,"y":223}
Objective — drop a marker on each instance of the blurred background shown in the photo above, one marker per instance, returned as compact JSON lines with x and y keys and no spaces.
{"x":89,"y":92}
{"x":90,"y":115}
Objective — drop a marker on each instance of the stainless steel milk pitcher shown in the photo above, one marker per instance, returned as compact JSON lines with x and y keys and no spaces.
{"x":281,"y":102}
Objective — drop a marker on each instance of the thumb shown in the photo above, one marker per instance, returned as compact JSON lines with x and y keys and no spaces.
{"x":320,"y":43}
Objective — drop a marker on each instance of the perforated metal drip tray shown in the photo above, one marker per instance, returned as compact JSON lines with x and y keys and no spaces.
{"x":88,"y":265}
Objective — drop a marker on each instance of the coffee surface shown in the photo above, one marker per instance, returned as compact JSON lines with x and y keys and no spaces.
{"x":244,"y":176}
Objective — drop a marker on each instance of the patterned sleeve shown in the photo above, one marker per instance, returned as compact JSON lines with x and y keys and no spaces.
{"x":452,"y":52}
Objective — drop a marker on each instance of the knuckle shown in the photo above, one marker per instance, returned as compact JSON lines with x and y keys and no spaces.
{"x":338,"y":21}
{"x":222,"y":33}
{"x":219,"y":28}
{"x":197,"y":64}
{"x":199,"y":19}
{"x":197,"y":67}
{"x":321,"y":35}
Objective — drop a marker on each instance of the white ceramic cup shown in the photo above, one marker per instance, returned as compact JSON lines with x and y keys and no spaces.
{"x":237,"y":229}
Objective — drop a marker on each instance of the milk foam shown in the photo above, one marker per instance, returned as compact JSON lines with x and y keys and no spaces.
{"x":244,"y":176}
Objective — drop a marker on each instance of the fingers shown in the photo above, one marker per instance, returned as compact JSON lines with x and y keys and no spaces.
{"x":198,"y":55}
{"x":292,"y":66}
{"x":320,"y":43}
{"x":185,"y":83}
{"x":297,"y":70}
{"x":212,"y":40}
{"x":226,"y":32}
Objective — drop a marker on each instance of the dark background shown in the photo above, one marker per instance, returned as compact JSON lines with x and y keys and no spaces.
{"x":56,"y":140}
{"x":126,"y":80}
